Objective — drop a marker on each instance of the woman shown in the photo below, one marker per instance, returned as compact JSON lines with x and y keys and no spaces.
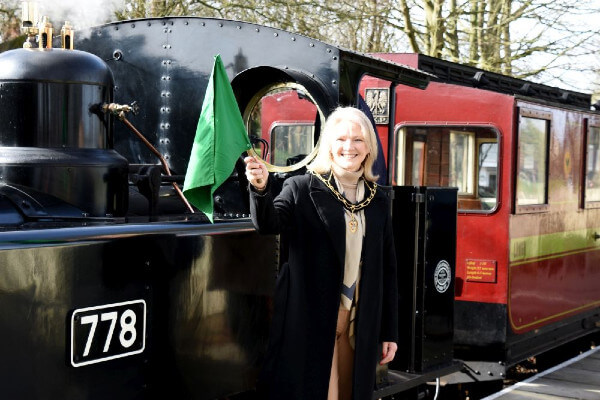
{"x":336,"y":296}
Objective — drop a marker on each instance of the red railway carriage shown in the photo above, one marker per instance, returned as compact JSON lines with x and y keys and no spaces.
{"x":525,"y":159}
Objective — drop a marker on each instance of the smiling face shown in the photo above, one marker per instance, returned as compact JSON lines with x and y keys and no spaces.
{"x":348,"y":146}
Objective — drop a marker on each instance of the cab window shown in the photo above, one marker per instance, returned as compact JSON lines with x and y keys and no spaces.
{"x":465,"y":157}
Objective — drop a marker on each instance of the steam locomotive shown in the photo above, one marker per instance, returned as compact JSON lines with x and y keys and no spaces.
{"x":111,"y":285}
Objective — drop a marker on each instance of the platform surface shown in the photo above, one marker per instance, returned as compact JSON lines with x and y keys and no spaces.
{"x":577,"y":378}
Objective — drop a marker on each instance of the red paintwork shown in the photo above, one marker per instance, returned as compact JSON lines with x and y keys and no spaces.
{"x":479,"y":236}
{"x":285,"y":107}
{"x":547,"y":291}
{"x":542,"y":292}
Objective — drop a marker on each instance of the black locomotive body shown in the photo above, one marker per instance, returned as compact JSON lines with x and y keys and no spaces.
{"x":109,"y":286}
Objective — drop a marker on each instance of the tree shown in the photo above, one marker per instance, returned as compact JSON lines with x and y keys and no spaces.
{"x":9,"y":20}
{"x":502,"y":36}
{"x":361,"y":26}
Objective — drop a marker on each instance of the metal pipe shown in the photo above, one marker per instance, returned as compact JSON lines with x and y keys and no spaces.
{"x":119,"y":110}
{"x":160,"y":157}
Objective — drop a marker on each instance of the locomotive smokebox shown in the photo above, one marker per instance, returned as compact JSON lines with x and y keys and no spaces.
{"x":54,"y":138}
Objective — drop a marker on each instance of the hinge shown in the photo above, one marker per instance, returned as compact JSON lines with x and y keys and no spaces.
{"x":418,"y":197}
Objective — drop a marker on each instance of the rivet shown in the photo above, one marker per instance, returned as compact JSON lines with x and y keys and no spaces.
{"x":276,"y":34}
{"x":203,"y":24}
{"x":167,"y":126}
{"x":312,"y":45}
{"x":116,"y":28}
{"x":220,"y":25}
{"x":133,"y":25}
{"x":335,"y":57}
{"x":334,"y":82}
{"x":257,"y":30}
{"x":149,"y":24}
{"x":164,"y":23}
{"x":186,"y":23}
{"x":239,"y":27}
{"x":293,"y":39}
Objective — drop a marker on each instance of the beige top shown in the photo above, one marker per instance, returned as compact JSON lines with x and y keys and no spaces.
{"x":352,"y":187}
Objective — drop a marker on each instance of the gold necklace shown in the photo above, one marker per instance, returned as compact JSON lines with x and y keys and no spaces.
{"x":352,"y":208}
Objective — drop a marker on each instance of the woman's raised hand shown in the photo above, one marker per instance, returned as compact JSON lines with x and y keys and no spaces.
{"x":256,"y":173}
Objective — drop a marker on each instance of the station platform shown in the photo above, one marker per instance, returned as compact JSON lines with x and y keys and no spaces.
{"x":577,"y":378}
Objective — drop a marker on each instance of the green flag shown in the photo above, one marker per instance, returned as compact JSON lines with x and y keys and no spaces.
{"x":220,"y":139}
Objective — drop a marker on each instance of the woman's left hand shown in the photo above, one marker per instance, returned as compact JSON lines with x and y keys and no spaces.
{"x":388,"y":352}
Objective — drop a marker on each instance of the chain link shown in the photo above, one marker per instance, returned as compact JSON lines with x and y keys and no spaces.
{"x":347,"y":205}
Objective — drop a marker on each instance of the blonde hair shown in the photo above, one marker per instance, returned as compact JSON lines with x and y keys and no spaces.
{"x":322,"y":162}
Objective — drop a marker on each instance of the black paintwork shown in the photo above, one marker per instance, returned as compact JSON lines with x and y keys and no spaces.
{"x":207,"y":289}
{"x":458,"y":74}
{"x":425,"y":235}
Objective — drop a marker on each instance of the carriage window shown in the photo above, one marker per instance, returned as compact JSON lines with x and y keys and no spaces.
{"x":465,"y":157}
{"x":284,"y":123}
{"x":418,"y":162}
{"x":461,"y":161}
{"x":592,"y":170}
{"x":533,"y":156}
{"x":487,"y":177}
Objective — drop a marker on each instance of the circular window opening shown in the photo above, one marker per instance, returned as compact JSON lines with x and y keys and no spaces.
{"x":284,"y":124}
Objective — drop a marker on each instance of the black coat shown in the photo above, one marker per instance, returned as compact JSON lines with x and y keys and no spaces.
{"x":307,"y":293}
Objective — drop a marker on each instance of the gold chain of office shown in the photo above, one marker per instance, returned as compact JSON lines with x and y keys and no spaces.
{"x":353,"y":223}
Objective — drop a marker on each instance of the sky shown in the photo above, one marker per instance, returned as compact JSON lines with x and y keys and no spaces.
{"x":81,"y":13}
{"x":568,"y":68}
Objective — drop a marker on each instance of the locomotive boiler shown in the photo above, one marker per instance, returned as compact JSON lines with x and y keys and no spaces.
{"x":110,"y":285}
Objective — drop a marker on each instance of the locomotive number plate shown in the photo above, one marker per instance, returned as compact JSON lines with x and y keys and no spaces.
{"x":107,"y":332}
